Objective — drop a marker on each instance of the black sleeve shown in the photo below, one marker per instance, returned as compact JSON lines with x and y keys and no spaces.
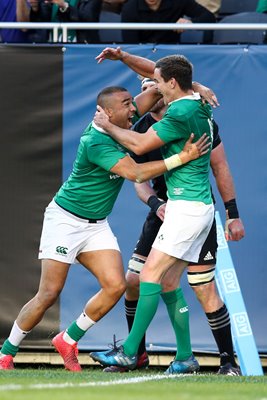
{"x":141,"y":126}
{"x":85,"y":11}
{"x":43,"y":14}
{"x":89,"y":10}
{"x":129,"y":14}
{"x":216,"y":136}
{"x":70,"y":15}
{"x":198,"y":13}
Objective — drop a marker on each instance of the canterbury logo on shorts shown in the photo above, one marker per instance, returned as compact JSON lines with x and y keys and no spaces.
{"x":62,"y":250}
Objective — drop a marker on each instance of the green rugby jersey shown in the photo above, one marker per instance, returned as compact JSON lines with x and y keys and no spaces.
{"x":183,"y":117}
{"x":91,"y":189}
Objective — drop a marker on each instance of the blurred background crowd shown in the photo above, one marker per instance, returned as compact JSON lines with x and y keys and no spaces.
{"x":128,"y":11}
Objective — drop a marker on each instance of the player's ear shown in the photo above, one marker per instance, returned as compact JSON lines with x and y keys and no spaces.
{"x":172,"y":83}
{"x":108,"y":111}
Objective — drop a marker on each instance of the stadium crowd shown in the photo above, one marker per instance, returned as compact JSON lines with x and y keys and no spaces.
{"x":137,"y":11}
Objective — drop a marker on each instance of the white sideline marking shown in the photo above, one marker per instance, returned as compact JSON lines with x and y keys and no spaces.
{"x":86,"y":384}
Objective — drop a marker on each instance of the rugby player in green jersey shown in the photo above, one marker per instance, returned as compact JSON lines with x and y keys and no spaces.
{"x":201,"y":275}
{"x":189,"y":212}
{"x":76,"y":229}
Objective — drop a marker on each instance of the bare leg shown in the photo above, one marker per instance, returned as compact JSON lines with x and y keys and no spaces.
{"x":207,"y":294}
{"x":107,"y":267}
{"x":52,"y":280}
{"x":53,"y":277}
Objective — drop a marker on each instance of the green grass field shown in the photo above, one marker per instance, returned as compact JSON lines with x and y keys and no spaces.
{"x":93,"y":383}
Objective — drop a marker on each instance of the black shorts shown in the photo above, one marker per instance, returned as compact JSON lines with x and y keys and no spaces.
{"x":208,"y":252}
{"x":148,"y":235}
{"x":149,"y":232}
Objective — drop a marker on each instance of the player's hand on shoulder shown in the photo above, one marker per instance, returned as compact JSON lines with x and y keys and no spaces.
{"x":206,"y":94}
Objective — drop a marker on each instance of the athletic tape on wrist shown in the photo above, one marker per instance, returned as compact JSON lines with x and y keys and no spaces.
{"x":173,"y":162}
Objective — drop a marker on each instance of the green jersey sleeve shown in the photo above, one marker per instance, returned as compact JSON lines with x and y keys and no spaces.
{"x":170,"y":129}
{"x":105,"y":155}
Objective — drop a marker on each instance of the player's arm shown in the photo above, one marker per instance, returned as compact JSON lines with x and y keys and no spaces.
{"x":234,"y":229}
{"x":146,"y":100}
{"x":138,"y":144}
{"x":145,"y":67}
{"x":140,"y":65}
{"x":148,"y":195}
{"x":141,"y":144}
{"x":129,"y":169}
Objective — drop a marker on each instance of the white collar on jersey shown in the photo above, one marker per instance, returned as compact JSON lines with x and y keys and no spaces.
{"x":194,"y":96}
{"x":98,"y":127}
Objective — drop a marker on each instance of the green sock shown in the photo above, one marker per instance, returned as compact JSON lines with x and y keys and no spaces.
{"x":75,"y":332}
{"x":9,"y":349}
{"x":145,"y":311}
{"x":179,"y":316}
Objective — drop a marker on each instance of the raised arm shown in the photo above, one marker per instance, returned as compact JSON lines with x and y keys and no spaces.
{"x":140,"y":65}
{"x":146,"y":100}
{"x":145,"y":67}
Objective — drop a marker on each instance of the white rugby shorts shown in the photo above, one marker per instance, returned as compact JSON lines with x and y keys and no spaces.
{"x":65,"y":236}
{"x":185,"y":228}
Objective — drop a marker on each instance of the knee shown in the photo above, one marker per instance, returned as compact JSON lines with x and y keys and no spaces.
{"x":120,"y":290}
{"x":208,"y":296}
{"x":202,"y":292}
{"x":132,"y":285}
{"x":168,"y":286}
{"x":116,"y":289}
{"x":46,"y":298}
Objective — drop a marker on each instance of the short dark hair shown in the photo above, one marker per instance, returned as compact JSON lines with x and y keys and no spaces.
{"x":104,"y":96}
{"x":177,"y":67}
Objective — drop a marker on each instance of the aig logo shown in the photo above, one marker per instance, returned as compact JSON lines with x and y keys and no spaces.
{"x":229,"y":280}
{"x":242,"y":325}
{"x":222,"y":244}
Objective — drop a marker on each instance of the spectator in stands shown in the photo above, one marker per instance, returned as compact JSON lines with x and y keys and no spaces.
{"x":160,"y":11}
{"x":212,"y":5}
{"x":262,"y":6}
{"x":9,"y":10}
{"x":68,"y":11}
{"x":113,"y":5}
